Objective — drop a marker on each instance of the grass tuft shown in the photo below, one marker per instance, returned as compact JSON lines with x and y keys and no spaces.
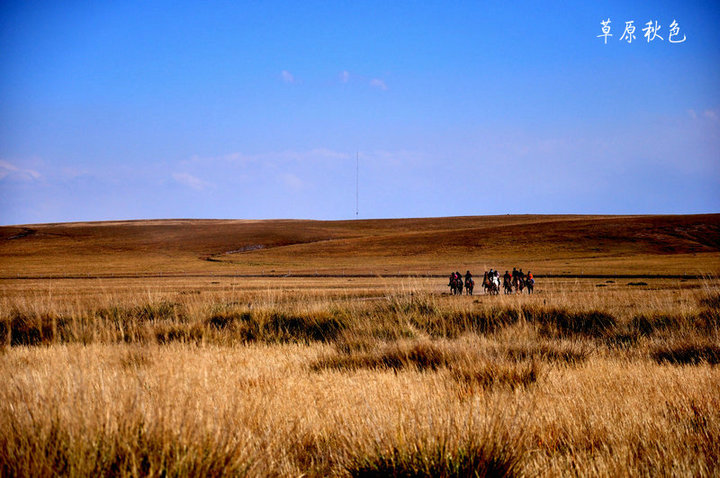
{"x":23,"y":328}
{"x":647,"y":325}
{"x":396,"y":356}
{"x":568,"y":352}
{"x":473,"y":375}
{"x":473,"y":458}
{"x":567,"y":323}
{"x":687,"y":352}
{"x":712,"y":301}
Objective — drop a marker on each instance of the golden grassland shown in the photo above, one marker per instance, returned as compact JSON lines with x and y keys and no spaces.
{"x":162,"y":348}
{"x":360,"y":377}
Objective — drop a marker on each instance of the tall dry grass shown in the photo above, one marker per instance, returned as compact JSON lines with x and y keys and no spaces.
{"x":579,"y":380}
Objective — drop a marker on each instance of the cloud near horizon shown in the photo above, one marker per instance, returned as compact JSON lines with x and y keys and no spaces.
{"x":11,"y":171}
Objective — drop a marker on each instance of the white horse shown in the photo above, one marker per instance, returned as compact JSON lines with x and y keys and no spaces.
{"x":496,"y":284}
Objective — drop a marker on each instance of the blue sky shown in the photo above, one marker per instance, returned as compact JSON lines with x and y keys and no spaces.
{"x":131,"y":110}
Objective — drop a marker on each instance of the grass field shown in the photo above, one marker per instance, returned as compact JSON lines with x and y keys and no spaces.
{"x":116,"y":361}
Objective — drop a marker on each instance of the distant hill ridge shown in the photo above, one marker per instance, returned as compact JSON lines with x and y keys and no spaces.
{"x":549,"y":243}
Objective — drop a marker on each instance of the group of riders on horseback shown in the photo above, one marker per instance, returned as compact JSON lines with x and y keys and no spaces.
{"x":517,"y":281}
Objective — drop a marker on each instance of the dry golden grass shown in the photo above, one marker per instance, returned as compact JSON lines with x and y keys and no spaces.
{"x":115,"y":361}
{"x":258,"y":381}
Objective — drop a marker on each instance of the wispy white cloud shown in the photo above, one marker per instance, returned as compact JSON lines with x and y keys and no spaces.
{"x":191,"y":181}
{"x":300,"y":155}
{"x":235,"y":157}
{"x":398,"y":157}
{"x":287,"y":77}
{"x":70,"y":172}
{"x":313,"y":154}
{"x":11,"y":171}
{"x":292,"y":181}
{"x":378,"y":83}
{"x":711,"y":115}
{"x":708,"y":114}
{"x":344,"y":76}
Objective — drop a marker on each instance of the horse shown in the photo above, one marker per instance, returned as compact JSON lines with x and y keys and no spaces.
{"x":517,"y":283}
{"x":456,"y":285}
{"x":491,"y":284}
{"x":486,"y":283}
{"x":530,"y":284}
{"x":507,"y":285}
{"x":496,"y":285}
{"x":469,"y":285}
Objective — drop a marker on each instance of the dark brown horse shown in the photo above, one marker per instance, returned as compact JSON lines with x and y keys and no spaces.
{"x":469,"y":285}
{"x":456,"y":284}
{"x":530,"y":284}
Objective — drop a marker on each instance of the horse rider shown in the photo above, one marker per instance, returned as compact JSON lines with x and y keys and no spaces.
{"x":468,"y":276}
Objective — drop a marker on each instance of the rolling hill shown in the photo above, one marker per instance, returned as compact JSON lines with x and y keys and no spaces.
{"x":554,"y":244}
